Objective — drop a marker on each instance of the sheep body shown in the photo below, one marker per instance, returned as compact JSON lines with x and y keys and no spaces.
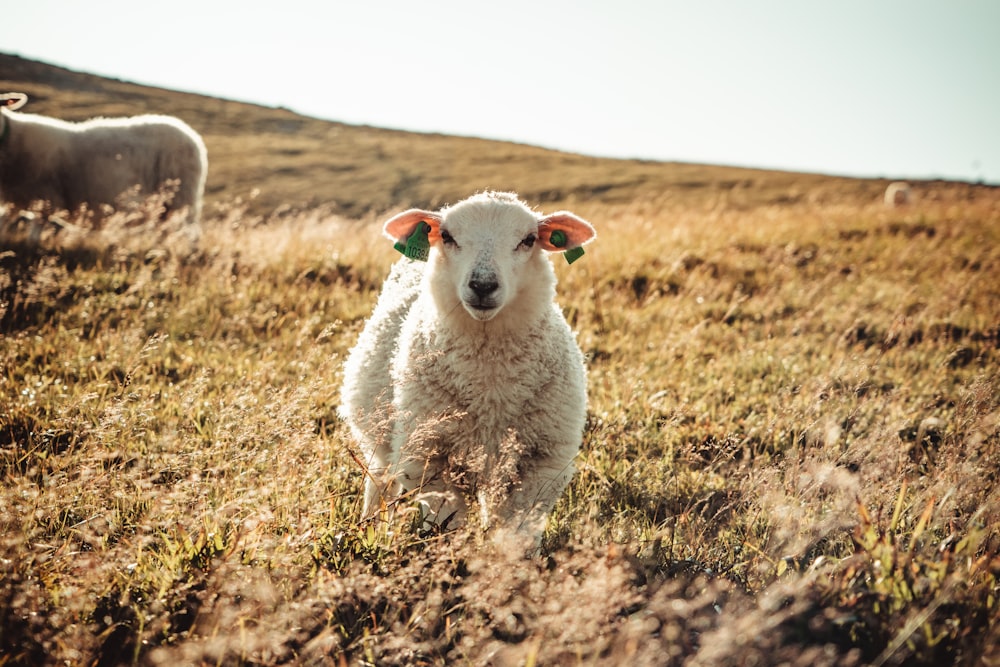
{"x":897,"y":194}
{"x":97,"y":161}
{"x":467,"y":380}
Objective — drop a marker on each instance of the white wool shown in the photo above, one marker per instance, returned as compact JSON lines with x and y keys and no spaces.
{"x":897,"y":194}
{"x":467,"y":382}
{"x":94,"y":162}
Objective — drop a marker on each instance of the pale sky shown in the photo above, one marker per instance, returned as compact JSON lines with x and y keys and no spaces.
{"x":854,"y":87}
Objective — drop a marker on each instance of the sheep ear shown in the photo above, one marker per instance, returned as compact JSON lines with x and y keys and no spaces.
{"x":565,"y":232}
{"x":13,"y":101}
{"x":400,"y":227}
{"x":413,"y":231}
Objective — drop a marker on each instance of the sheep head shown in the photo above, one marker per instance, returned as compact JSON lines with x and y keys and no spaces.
{"x":485,"y":249}
{"x":9,"y":101}
{"x":12,"y":101}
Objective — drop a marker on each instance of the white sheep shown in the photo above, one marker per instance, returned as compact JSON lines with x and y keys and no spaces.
{"x":466,"y":381}
{"x":897,"y":194}
{"x":66,"y":165}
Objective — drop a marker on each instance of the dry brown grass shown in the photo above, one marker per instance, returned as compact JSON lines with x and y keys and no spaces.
{"x":791,"y":454}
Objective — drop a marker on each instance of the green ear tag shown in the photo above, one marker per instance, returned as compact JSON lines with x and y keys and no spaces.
{"x":573,"y":254}
{"x":417,"y":246}
{"x":558,"y":239}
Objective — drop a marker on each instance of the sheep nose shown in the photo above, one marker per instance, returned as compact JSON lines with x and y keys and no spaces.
{"x":483,"y":288}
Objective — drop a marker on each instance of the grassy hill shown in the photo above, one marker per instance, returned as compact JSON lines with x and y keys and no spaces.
{"x":295,"y":161}
{"x":791,"y":454}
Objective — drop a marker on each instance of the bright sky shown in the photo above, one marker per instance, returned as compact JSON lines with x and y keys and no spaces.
{"x":896,"y":88}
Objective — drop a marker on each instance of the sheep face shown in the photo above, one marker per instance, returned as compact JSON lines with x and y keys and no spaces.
{"x":12,"y":101}
{"x":487,"y":249}
{"x":484,"y":257}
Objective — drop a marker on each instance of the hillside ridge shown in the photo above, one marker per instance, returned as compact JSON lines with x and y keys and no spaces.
{"x":277,"y":160}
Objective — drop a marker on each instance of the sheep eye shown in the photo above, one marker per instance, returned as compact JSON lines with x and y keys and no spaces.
{"x":528,"y":241}
{"x":447,"y":238}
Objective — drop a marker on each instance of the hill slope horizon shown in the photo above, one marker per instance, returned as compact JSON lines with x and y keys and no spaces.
{"x":277,"y":160}
{"x":790,"y":456}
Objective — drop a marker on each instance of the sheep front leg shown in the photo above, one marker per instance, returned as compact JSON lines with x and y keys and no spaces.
{"x":523,"y":515}
{"x":377,"y":483}
{"x":440,"y":503}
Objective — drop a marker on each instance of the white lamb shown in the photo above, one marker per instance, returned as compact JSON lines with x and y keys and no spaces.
{"x":897,"y":194}
{"x":467,"y":382}
{"x":67,"y":165}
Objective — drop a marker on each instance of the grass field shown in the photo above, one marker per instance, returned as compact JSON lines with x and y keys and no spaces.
{"x":791,"y":455}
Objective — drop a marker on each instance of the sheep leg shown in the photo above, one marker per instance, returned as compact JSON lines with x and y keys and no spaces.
{"x":376,"y":491}
{"x":440,"y":503}
{"x":523,"y":515}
